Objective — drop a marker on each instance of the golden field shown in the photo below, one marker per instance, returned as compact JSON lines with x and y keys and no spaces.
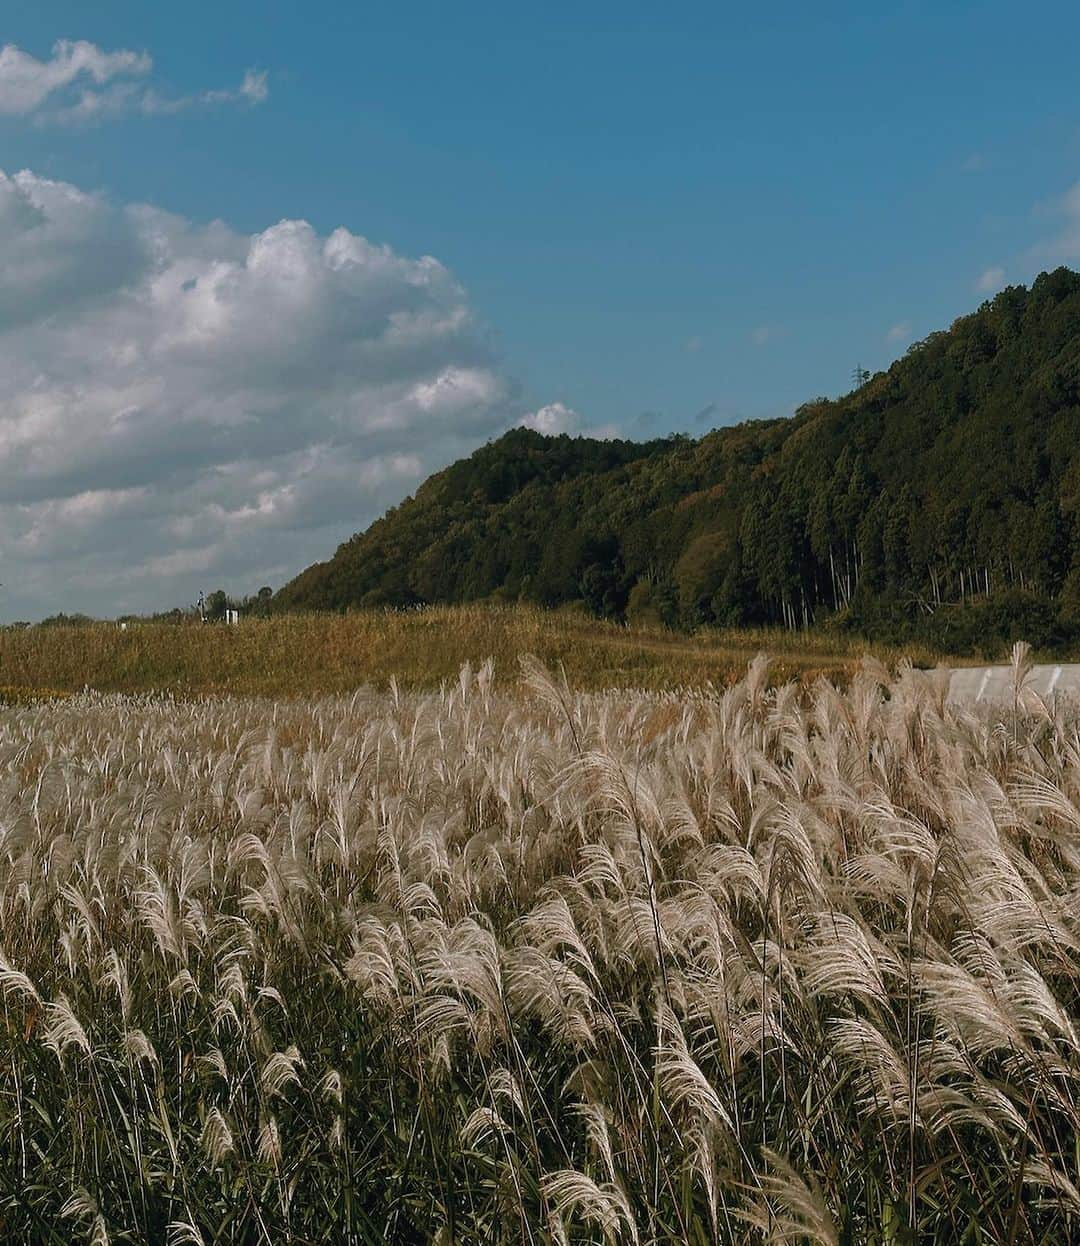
{"x":289,"y":655}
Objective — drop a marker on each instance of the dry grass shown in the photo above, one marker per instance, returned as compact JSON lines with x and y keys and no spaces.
{"x":538,"y":966}
{"x":313,"y":654}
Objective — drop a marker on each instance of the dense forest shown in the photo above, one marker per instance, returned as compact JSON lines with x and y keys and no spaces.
{"x":939,"y":500}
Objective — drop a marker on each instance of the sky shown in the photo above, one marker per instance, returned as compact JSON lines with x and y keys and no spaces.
{"x":265,"y":266}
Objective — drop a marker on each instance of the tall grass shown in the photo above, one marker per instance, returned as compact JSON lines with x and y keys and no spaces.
{"x":328,"y":653}
{"x":533,"y":965}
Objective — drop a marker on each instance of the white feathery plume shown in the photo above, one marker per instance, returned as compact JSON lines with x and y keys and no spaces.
{"x":789,"y":1207}
{"x":279,"y":1072}
{"x":572,"y":1195}
{"x":216,"y":1139}
{"x":62,"y":1030}
{"x":15,"y":982}
{"x":184,"y":1233}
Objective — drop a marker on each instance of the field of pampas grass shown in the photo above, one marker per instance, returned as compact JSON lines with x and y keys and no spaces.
{"x":525,"y":964}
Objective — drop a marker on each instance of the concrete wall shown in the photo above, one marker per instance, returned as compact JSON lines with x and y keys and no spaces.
{"x":994,"y":683}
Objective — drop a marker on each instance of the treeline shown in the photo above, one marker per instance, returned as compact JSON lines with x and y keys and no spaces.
{"x":937,"y":501}
{"x":211,"y":609}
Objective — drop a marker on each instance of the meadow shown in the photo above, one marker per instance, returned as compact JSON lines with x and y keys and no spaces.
{"x":311,"y":654}
{"x":517,"y":962}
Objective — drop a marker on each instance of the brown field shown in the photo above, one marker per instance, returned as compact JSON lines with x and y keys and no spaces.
{"x":324,"y":654}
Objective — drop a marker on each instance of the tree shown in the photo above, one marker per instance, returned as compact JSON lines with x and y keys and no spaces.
{"x":261,"y":603}
{"x":216,"y":605}
{"x":700,"y":572}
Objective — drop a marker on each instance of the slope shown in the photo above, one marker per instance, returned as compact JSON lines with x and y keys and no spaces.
{"x":938,"y":499}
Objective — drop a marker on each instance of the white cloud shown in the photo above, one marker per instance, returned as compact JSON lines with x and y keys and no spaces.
{"x":899,"y":333}
{"x":762,"y":334}
{"x":551,"y":420}
{"x":253,"y":88}
{"x":556,"y":418}
{"x":26,"y":83}
{"x":182,"y":406}
{"x":81,"y":82}
{"x":990,"y":280}
{"x":693,"y":345}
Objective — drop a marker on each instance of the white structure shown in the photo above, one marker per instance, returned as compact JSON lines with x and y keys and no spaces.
{"x":994,"y":684}
{"x":232,"y":616}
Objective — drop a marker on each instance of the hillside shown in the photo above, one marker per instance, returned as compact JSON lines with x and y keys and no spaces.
{"x":937,"y":500}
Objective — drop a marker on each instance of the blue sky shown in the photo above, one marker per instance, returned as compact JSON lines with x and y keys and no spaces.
{"x":650,"y":212}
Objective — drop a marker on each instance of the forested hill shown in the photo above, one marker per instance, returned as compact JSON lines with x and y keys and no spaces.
{"x":940,"y":498}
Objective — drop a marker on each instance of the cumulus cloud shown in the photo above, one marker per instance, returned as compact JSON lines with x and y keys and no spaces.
{"x":183,"y":406}
{"x":553,"y":419}
{"x":990,"y":280}
{"x":557,"y":418}
{"x":762,"y":335}
{"x":81,"y":82}
{"x":899,"y":333}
